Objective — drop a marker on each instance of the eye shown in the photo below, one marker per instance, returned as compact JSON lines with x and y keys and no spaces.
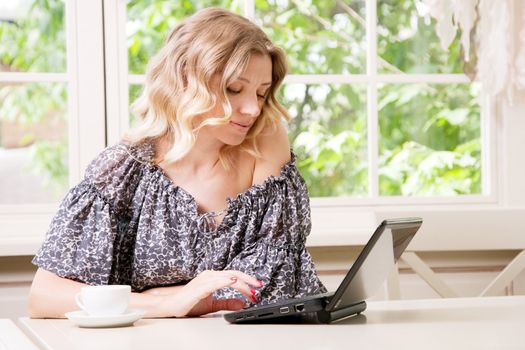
{"x":263,"y":95}
{"x":232,"y":91}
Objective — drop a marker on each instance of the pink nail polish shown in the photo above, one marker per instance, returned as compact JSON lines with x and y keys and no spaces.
{"x":252,"y":291}
{"x":260,"y":284}
{"x":254,"y":299}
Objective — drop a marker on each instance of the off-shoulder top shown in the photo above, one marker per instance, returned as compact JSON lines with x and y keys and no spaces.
{"x":126,"y":222}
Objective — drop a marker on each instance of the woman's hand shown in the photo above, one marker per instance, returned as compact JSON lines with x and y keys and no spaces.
{"x":195,"y":298}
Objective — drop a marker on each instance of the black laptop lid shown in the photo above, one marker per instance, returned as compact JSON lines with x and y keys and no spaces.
{"x":375,"y":262}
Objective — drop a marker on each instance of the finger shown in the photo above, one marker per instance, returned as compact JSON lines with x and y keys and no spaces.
{"x":248,"y":292}
{"x":250,"y":280}
{"x":245,"y":285}
{"x":239,"y":285}
{"x":209,"y":281}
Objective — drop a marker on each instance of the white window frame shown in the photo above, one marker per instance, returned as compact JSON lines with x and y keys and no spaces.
{"x":97,"y":77}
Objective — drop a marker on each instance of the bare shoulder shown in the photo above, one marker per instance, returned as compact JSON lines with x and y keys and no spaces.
{"x":274,"y":147}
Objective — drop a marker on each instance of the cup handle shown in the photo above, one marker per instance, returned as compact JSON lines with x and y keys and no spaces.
{"x":78,"y":300}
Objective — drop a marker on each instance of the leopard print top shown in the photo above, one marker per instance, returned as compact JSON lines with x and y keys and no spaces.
{"x":126,"y":222}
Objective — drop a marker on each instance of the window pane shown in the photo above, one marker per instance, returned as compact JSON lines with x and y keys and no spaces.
{"x":32,"y":36}
{"x":150,"y":21}
{"x":320,"y":37}
{"x":134,"y":92}
{"x":33,"y":143}
{"x":430,"y":143}
{"x":407,"y":41}
{"x":328,"y":134}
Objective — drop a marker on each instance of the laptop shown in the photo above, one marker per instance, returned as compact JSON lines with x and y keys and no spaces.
{"x":367,"y":274}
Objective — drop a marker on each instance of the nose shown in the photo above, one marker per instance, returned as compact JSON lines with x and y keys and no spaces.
{"x":250,"y":106}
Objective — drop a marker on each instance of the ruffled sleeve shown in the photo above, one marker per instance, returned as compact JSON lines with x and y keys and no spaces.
{"x":277,"y":220}
{"x":82,"y":239}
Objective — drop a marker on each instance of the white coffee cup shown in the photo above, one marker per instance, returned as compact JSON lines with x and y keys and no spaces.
{"x":104,"y":300}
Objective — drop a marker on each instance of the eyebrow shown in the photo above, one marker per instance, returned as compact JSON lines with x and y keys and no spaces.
{"x":248,"y":81}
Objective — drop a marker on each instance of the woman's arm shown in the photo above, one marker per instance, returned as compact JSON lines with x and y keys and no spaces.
{"x":52,"y":296}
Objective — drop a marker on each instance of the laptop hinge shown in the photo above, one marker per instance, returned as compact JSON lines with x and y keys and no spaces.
{"x":336,"y":315}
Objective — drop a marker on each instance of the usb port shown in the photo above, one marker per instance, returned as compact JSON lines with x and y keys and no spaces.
{"x":299,"y":308}
{"x":284,"y":310}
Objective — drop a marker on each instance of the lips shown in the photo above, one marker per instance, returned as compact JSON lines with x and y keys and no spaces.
{"x":240,"y":126}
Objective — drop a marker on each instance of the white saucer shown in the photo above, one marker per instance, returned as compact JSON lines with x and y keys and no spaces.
{"x":82,"y":319}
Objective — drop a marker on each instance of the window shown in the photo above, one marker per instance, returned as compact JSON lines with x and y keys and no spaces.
{"x":52,"y":120}
{"x":34,"y":121}
{"x":380,"y":111}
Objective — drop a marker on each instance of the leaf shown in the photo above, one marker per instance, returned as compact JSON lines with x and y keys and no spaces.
{"x":455,"y":117}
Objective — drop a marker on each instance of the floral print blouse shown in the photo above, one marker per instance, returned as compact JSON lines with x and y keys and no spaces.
{"x":126,"y":222}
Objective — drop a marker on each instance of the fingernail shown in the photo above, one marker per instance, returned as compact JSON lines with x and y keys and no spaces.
{"x":260,"y":284}
{"x":254,"y":299}
{"x":252,"y":291}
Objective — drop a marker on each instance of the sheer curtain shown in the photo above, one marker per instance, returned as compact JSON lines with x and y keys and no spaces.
{"x":492,"y":37}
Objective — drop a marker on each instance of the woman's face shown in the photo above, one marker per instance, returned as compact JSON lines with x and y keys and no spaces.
{"x":247,"y":95}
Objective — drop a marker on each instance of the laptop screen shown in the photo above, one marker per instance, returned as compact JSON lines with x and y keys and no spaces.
{"x":375,"y":262}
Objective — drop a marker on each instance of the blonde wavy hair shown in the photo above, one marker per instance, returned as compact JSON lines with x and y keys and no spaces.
{"x":211,"y":42}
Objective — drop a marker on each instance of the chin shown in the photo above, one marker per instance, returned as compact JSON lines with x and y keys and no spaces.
{"x":234,"y":141}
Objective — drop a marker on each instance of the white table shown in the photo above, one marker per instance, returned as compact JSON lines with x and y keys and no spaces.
{"x":12,"y":338}
{"x":495,"y":323}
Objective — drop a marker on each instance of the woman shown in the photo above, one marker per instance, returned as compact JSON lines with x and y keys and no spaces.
{"x":201,"y":208}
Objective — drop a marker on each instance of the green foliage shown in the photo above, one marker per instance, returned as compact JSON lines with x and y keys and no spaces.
{"x":36,"y":43}
{"x":407,"y":42}
{"x":414,"y":169}
{"x":50,"y":162}
{"x":429,"y":140}
{"x":329,"y":139}
{"x":150,"y":21}
{"x":32,"y":103}
{"x":319,"y":37}
{"x":422,"y":127}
